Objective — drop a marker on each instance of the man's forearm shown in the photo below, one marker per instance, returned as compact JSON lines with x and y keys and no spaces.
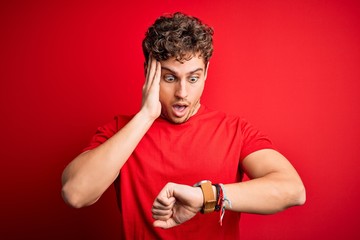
{"x":269,"y":194}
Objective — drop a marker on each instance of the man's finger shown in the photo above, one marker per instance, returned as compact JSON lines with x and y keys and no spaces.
{"x":164,"y":202}
{"x":151,"y":69}
{"x":161,"y":212}
{"x":157,"y":73}
{"x":165,"y":224}
{"x":148,"y":65}
{"x":162,"y":215}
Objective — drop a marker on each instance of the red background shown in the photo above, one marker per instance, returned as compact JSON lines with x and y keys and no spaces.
{"x":290,"y":67}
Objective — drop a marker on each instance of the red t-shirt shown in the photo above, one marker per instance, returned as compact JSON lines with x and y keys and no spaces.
{"x":210,"y":145}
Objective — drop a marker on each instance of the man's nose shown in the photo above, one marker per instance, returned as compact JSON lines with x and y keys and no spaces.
{"x":181,"y":89}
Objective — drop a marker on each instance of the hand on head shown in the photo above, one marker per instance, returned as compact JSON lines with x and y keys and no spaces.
{"x":151,"y":89}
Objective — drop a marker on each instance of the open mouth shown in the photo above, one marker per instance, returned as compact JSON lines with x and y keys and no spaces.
{"x":179,"y":110}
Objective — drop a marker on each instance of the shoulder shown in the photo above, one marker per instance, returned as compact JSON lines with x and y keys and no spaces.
{"x":237,"y":123}
{"x":106,"y":131}
{"x":111,"y":127}
{"x":121,"y":120}
{"x":220,"y":117}
{"x":216,"y":114}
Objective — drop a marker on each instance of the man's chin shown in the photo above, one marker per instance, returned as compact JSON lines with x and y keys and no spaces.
{"x":175,"y":120}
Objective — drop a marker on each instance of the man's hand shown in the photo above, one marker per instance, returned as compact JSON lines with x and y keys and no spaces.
{"x":151,"y":89}
{"x":176,"y":204}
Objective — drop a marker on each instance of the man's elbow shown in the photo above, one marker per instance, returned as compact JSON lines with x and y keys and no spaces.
{"x":289,"y":196}
{"x":70,"y":198}
{"x":296,"y":195}
{"x":300,"y":195}
{"x":74,"y":198}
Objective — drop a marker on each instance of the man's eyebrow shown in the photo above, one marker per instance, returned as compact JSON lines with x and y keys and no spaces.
{"x":174,"y":72}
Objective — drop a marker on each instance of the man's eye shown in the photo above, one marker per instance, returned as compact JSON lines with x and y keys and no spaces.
{"x":169,"y":78}
{"x":193,"y":79}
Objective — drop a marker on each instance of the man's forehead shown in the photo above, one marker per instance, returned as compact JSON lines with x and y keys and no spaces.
{"x":177,"y":72}
{"x":192,"y":65}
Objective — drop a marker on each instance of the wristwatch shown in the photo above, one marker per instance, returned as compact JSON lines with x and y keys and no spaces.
{"x":208,"y":193}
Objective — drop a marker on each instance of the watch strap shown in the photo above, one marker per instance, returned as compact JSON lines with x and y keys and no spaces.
{"x":209,"y":202}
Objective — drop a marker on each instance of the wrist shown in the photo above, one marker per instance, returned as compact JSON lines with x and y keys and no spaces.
{"x":144,"y":115}
{"x":199,"y":200}
{"x":208,"y":195}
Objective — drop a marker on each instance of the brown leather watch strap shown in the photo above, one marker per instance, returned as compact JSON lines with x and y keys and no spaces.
{"x":209,"y":198}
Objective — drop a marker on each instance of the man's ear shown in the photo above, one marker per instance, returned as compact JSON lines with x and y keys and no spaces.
{"x":206,"y":70}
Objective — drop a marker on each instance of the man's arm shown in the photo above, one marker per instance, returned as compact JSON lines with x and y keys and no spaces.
{"x":274,"y":186}
{"x":87,"y":177}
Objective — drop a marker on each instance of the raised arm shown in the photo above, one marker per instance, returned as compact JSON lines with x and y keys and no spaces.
{"x":274,"y":185}
{"x":87,"y":177}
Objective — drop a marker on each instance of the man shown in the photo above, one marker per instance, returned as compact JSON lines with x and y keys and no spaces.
{"x":156,"y":157}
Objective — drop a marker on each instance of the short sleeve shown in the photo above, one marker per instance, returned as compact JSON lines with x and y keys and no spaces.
{"x":253,"y":140}
{"x":106,"y":131}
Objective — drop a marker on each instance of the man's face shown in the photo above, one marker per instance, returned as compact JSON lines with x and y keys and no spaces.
{"x":181,"y":87}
